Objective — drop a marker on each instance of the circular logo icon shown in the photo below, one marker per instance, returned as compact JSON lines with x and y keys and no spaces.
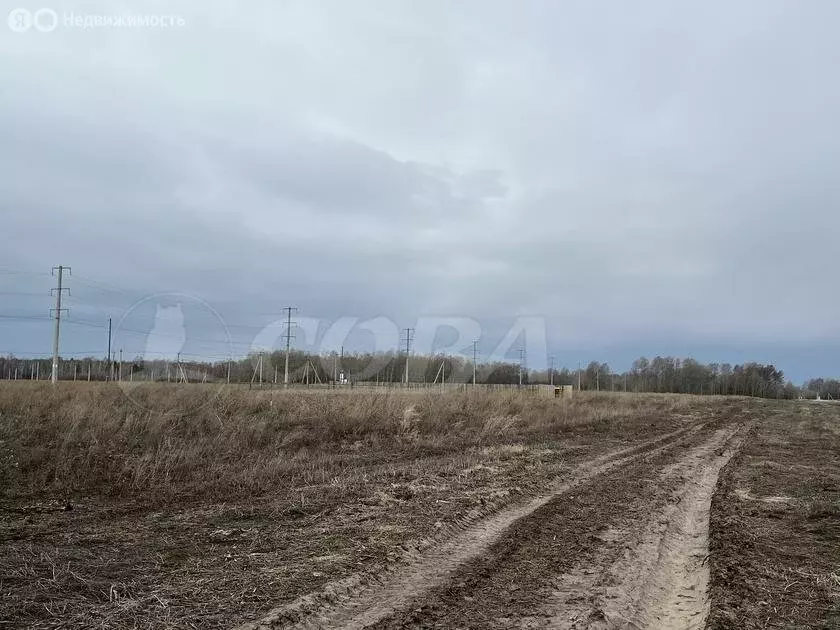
{"x":174,"y":339}
{"x":20,"y":20}
{"x":45,"y":20}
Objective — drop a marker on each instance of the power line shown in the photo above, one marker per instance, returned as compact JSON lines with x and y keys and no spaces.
{"x":21,"y":272}
{"x":146,"y":333}
{"x":104,"y":286}
{"x":26,"y":317}
{"x":93,"y":354}
{"x":123,"y":329}
{"x":87,"y":354}
{"x":79,"y":322}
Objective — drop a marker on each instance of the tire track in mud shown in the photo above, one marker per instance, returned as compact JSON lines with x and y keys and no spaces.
{"x":676,"y":594}
{"x":660,"y":578}
{"x":353,"y":603}
{"x":503,"y":587}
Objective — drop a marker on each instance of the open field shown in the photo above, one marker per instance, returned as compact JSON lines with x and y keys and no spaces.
{"x":193,"y":507}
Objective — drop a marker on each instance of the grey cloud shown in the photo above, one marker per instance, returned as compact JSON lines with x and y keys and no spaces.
{"x":640,"y":171}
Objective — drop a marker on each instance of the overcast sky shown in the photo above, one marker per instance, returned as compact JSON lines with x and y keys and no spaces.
{"x":648,"y":177}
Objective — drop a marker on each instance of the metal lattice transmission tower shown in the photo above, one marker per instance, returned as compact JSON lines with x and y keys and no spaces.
{"x":57,"y":291}
{"x":110,"y":357}
{"x":475,"y":358}
{"x":289,"y":337}
{"x":409,"y":337}
{"x":551,"y":370}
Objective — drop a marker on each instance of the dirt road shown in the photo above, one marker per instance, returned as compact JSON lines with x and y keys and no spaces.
{"x":638,"y":511}
{"x":621,"y":542}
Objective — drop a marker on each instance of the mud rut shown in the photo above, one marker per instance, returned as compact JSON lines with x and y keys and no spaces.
{"x":621,"y":543}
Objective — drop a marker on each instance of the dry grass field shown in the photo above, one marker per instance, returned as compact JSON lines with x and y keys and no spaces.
{"x":194,"y":507}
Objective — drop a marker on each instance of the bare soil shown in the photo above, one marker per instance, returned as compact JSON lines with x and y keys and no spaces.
{"x":775,"y":524}
{"x":619,"y":512}
{"x":435,"y":567}
{"x":656,"y":575}
{"x":515,"y":583}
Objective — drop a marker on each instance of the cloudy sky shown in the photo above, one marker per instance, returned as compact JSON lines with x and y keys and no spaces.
{"x":650,"y":177}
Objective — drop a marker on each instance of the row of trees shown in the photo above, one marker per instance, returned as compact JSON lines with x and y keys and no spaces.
{"x":683,"y":376}
{"x":660,"y":374}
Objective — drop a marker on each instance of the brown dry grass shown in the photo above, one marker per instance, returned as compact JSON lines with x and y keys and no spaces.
{"x":162,"y":441}
{"x":194,"y":507}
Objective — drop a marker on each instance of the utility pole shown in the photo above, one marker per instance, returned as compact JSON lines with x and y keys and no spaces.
{"x":110,"y":358}
{"x":521,"y":362}
{"x":120,"y":372}
{"x":289,"y":336}
{"x":180,"y":377}
{"x":257,"y":368}
{"x":409,"y":332}
{"x":475,"y":354}
{"x":578,"y":375}
{"x":58,"y":291}
{"x":551,"y":371}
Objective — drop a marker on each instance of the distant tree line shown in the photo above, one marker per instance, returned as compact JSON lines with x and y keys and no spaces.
{"x":387,"y":367}
{"x":682,"y":376}
{"x":827,"y":389}
{"x":660,"y":374}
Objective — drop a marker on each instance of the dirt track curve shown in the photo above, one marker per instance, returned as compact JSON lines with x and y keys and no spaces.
{"x":621,"y":543}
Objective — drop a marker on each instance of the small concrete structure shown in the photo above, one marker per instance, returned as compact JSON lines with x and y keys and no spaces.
{"x":557,"y":391}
